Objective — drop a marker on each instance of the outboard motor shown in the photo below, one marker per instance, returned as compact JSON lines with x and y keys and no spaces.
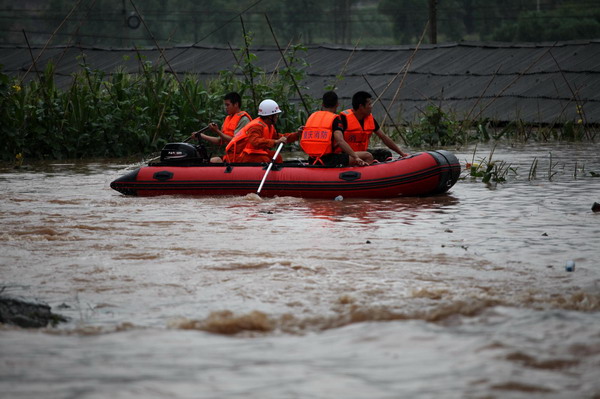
{"x":183,"y":153}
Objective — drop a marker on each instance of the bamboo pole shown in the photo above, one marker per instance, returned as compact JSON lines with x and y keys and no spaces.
{"x":466,"y":119}
{"x":76,"y":31}
{"x":341,"y":74}
{"x":519,"y":76}
{"x":276,"y":69}
{"x":251,"y":72}
{"x":237,"y":61}
{"x":33,"y":60}
{"x":578,"y":103}
{"x":407,"y":67}
{"x":162,"y":53}
{"x":387,"y":112}
{"x":287,"y":65}
{"x":220,"y":27}
{"x":51,"y":37}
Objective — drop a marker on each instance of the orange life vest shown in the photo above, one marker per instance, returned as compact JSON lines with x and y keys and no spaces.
{"x":358,"y":136}
{"x":234,"y":148}
{"x":317,"y":135}
{"x":269,"y":132}
{"x":231,"y":121}
{"x":239,"y":142}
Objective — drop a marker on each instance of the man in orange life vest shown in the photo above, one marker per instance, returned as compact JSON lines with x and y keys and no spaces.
{"x":359,"y":125}
{"x":255,"y":141}
{"x":323,"y":138}
{"x":235,"y":120}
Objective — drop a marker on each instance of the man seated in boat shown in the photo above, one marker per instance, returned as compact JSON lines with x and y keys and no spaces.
{"x":255,"y":141}
{"x":359,"y":125}
{"x":235,"y":120}
{"x":323,"y":138}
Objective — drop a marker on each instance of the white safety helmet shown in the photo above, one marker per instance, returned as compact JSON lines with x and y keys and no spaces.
{"x":268,"y":107}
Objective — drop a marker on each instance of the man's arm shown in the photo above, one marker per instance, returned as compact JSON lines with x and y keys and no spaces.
{"x":222,"y":137}
{"x":339,"y":140}
{"x":291,"y":137}
{"x":255,"y":138}
{"x":389,"y":142}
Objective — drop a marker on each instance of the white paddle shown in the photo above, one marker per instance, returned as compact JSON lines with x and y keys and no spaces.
{"x":269,"y":167}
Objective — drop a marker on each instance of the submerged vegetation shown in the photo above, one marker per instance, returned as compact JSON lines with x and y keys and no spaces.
{"x":491,"y":171}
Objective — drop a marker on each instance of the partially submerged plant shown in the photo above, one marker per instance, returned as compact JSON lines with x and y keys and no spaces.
{"x":435,"y":128}
{"x":488,"y":170}
{"x":551,"y":166}
{"x":533,"y":169}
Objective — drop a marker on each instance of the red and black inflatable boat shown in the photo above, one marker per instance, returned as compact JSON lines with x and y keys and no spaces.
{"x":183,"y":172}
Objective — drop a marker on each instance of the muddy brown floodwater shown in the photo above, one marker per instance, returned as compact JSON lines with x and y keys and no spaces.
{"x":463,"y":295}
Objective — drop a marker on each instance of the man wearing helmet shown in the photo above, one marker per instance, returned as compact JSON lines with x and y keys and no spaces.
{"x":255,"y":141}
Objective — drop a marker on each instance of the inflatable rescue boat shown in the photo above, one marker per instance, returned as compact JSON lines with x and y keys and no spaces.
{"x":182,"y":170}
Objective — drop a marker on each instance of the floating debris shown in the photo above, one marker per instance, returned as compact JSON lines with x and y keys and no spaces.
{"x":570,"y":266}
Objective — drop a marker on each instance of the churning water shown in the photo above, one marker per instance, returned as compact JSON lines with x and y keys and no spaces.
{"x":463,"y":295}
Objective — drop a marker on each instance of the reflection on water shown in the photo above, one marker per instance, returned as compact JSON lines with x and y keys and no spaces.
{"x":372,"y":211}
{"x":287,"y":297}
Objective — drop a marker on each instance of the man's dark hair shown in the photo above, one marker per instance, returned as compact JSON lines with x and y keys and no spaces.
{"x":330,"y":99}
{"x":234,"y":97}
{"x":360,"y":98}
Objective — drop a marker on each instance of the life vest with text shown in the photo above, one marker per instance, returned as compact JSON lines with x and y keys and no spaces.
{"x":317,"y":135}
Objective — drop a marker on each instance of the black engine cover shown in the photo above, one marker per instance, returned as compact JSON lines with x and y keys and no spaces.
{"x":183,"y":153}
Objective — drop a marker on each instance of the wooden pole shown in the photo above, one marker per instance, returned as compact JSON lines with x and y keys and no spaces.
{"x":387,"y":112}
{"x":287,"y":66}
{"x":433,"y":21}
{"x":249,"y":60}
{"x":33,"y":59}
{"x":406,"y":68}
{"x":162,"y":54}
{"x":48,"y":41}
